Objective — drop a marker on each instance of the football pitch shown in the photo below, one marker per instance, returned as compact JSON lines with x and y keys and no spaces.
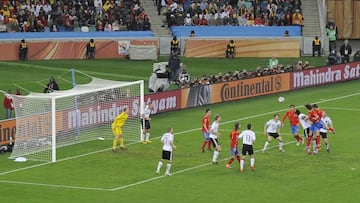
{"x":91,"y":172}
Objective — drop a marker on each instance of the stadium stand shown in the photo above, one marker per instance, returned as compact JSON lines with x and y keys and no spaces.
{"x":75,"y":15}
{"x":75,"y":35}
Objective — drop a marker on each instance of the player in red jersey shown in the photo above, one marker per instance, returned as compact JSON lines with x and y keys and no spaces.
{"x":234,"y":150}
{"x":319,"y":112}
{"x":206,"y":130}
{"x":294,"y":123}
{"x":316,"y":124}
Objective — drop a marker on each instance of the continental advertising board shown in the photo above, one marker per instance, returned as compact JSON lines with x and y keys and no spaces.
{"x":234,"y":90}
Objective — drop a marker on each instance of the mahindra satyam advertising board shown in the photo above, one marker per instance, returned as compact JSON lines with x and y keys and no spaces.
{"x":164,"y":101}
{"x":324,"y":75}
{"x":7,"y":130}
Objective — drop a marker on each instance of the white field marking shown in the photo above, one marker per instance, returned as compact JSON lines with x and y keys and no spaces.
{"x":58,"y":69}
{"x":52,"y":185}
{"x":336,"y":108}
{"x":257,"y":132}
{"x":125,"y":186}
{"x":183,"y":132}
{"x":183,"y":171}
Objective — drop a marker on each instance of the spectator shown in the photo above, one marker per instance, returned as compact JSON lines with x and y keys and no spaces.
{"x":107,"y":27}
{"x":147,"y":24}
{"x":2,"y":26}
{"x":116,"y":26}
{"x":8,"y":105}
{"x":345,"y":51}
{"x":297,"y":18}
{"x":188,"y":20}
{"x":122,"y":26}
{"x":242,"y":20}
{"x":51,"y":86}
{"x":203,"y":21}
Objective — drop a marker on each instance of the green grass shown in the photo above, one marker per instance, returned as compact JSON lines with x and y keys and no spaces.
{"x":129,"y":176}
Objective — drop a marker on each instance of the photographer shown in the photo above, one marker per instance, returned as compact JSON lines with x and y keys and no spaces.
{"x":184,"y":79}
{"x":8,"y":147}
{"x":345,"y":51}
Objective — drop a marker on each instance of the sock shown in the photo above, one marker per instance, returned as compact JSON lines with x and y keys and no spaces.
{"x":242,"y":162}
{"x":168,"y":167}
{"x":308,"y":141}
{"x":266,"y":145}
{"x":296,"y":137}
{"x":147,"y":134}
{"x":281,"y":145}
{"x":317,"y":141}
{"x":327,"y":145}
{"x":314,"y":144}
{"x":215,"y":156}
{"x":159,"y":166}
{"x":203,"y":145}
{"x":142,"y":137}
{"x":230,"y":161}
{"x":238,"y":158}
{"x":115,"y":143}
{"x":209,"y":144}
{"x":121,"y":139}
{"x":252,"y":162}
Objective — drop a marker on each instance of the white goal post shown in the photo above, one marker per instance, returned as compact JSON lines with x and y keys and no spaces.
{"x":47,"y":121}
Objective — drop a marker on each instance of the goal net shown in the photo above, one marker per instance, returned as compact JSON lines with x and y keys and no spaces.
{"x":46,"y":122}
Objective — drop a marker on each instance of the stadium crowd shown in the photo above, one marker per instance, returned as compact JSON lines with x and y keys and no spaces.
{"x":72,"y":15}
{"x":231,"y":12}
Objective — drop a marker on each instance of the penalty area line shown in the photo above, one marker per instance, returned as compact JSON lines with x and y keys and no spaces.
{"x":182,"y":171}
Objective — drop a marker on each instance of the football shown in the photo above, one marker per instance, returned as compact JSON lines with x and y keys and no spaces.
{"x":281,"y":99}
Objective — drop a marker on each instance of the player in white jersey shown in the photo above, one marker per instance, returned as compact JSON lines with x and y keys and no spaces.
{"x":145,"y":123}
{"x":248,"y":137}
{"x":271,"y":130}
{"x":305,"y":123}
{"x":328,"y":126}
{"x":214,"y":135}
{"x":168,"y":145}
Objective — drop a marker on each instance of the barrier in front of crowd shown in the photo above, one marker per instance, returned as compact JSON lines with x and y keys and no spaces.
{"x":72,"y":45}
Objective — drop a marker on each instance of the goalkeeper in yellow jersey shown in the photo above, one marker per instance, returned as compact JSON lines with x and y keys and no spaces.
{"x":116,"y":127}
